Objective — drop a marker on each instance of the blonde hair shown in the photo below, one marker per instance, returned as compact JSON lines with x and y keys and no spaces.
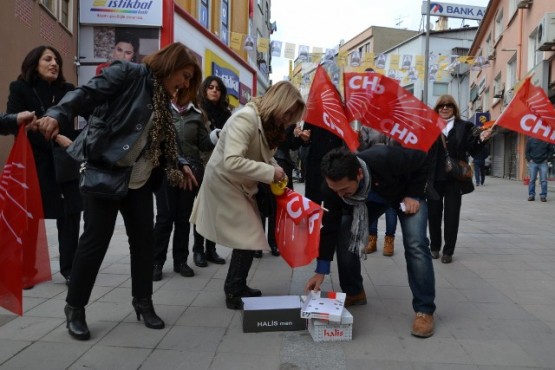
{"x":280,"y":99}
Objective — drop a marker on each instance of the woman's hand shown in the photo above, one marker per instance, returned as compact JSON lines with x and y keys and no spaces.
{"x":411,"y":205}
{"x":28,"y":119}
{"x":304,"y":135}
{"x":279,"y":174}
{"x":49,"y":127}
{"x":189,"y":181}
{"x":486,"y":134}
{"x":63,"y":141}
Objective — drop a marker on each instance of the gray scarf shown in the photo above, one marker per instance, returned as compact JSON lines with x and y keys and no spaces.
{"x":359,"y":227}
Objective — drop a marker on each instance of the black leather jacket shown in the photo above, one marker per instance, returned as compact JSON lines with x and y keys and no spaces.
{"x":121,"y":103}
{"x":8,"y":124}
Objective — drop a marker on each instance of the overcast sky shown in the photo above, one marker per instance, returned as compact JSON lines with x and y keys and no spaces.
{"x":323,"y":23}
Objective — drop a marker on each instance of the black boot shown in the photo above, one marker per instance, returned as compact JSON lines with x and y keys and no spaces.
{"x":212,"y":255}
{"x":144,"y":307}
{"x":157,"y":273}
{"x":200,"y":259}
{"x":235,"y":285}
{"x":274,"y":250}
{"x":75,"y":322}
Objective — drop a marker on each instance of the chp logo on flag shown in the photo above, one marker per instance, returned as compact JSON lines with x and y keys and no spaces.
{"x":298,"y":223}
{"x":380,"y":102}
{"x":324,"y":108}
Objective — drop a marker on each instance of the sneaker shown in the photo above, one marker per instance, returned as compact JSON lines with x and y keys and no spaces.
{"x":543,"y":199}
{"x":531,"y":198}
{"x":356,"y":300}
{"x":435,"y":255}
{"x":423,"y":325}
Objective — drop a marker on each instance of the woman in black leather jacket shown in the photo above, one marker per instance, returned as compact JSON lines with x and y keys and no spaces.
{"x":131,"y":125}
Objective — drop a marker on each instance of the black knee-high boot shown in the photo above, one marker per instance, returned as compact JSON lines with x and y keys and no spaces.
{"x":235,"y":286}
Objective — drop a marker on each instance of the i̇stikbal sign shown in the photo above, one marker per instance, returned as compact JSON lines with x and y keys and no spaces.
{"x":121,"y":12}
{"x":454,"y":10}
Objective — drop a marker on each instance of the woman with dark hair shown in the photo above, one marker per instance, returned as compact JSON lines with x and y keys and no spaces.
{"x":225,"y":209}
{"x":40,"y":85}
{"x":213,"y":100}
{"x":131,"y":128}
{"x":444,"y":194}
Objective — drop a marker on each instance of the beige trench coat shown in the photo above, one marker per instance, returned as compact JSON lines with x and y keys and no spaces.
{"x":225,"y":209}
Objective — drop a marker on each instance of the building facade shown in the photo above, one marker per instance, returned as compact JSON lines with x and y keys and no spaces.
{"x":517,"y":37}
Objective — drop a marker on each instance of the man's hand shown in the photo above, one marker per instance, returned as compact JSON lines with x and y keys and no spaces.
{"x":411,"y":205}
{"x":189,"y":181}
{"x":49,"y":127}
{"x":314,"y":282}
{"x":27,"y":118}
{"x":63,"y":141}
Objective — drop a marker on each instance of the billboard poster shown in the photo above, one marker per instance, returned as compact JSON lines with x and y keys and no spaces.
{"x":217,"y":66}
{"x":121,"y":12}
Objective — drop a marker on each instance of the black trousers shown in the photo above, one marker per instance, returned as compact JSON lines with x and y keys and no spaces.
{"x":100,"y":219}
{"x":448,"y":209}
{"x":173,"y":207}
{"x":68,"y":240}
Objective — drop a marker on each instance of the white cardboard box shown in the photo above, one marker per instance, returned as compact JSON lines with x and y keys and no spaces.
{"x":323,"y":305}
{"x":325,"y":331}
{"x":273,"y":313}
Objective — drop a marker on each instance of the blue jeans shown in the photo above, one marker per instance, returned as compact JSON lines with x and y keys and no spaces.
{"x":390,"y":223}
{"x":420,"y":269}
{"x":534,"y":167}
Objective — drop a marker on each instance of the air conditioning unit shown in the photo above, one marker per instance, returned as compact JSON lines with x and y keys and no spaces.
{"x":546,"y":32}
{"x":498,"y":93}
{"x":508,"y":96}
{"x":491,"y":54}
{"x":524,"y":4}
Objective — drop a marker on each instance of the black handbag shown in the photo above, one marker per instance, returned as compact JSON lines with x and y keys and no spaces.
{"x":65,"y":167}
{"x":104,"y":182}
{"x":456,"y":169}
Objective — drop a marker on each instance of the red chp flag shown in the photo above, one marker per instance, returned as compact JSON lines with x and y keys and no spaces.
{"x":325,"y":109}
{"x":298,"y":222}
{"x":24,"y":259}
{"x":530,"y":112}
{"x":381,"y":103}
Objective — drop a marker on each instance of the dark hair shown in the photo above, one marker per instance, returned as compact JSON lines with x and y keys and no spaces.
{"x":448,"y":100}
{"x":30,"y":64}
{"x":339,"y":163}
{"x":129,"y":38}
{"x":172,"y":58}
{"x":223,"y":103}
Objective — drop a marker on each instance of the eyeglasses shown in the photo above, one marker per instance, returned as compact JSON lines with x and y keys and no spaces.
{"x":212,"y":87}
{"x":446,"y":106}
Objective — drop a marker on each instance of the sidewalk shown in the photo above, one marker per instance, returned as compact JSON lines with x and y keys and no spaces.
{"x":495,"y":307}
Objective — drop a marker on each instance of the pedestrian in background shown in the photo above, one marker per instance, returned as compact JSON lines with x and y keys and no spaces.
{"x":444,"y":193}
{"x":174,"y":204}
{"x":225,"y":209}
{"x":131,"y":126}
{"x":479,"y":160}
{"x":538,"y":153}
{"x":214,"y":102}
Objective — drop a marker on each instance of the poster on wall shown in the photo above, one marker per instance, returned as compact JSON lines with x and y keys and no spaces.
{"x":121,"y":12}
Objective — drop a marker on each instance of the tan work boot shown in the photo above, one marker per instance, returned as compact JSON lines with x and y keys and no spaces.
{"x":388,"y":245}
{"x":372,"y":244}
{"x":423,"y":325}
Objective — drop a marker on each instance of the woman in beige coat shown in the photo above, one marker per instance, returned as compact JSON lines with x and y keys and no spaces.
{"x":225,"y":210}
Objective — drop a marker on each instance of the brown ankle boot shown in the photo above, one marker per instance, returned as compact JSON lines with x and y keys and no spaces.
{"x":372,"y":244}
{"x":388,"y":245}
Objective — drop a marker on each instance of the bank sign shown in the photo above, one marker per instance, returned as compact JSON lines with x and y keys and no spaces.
{"x":454,"y":10}
{"x":121,"y":12}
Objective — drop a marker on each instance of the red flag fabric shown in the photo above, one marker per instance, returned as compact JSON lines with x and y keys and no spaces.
{"x":380,"y":102}
{"x":24,"y":259}
{"x":325,"y":109}
{"x":298,"y":221}
{"x":530,"y":112}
